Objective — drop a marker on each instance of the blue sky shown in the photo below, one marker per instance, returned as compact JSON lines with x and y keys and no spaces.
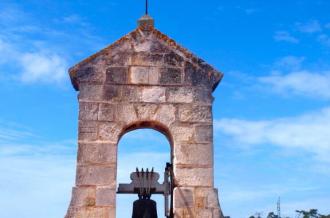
{"x":271,"y":111}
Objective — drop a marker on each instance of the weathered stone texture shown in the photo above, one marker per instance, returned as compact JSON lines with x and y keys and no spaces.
{"x":194,"y":155}
{"x":97,"y":153}
{"x":144,"y":75}
{"x":170,"y":76}
{"x":116,"y":75}
{"x":180,"y":95}
{"x":199,"y":177}
{"x":88,"y":111}
{"x":204,"y":134}
{"x":83,"y":196}
{"x":182,"y":134}
{"x":107,"y":112}
{"x":96,"y":175}
{"x":91,"y":212}
{"x":105,"y":196}
{"x":193,"y":113}
{"x":153,"y":94}
{"x":109,"y":131}
{"x":183,"y":197}
{"x":87,"y":130}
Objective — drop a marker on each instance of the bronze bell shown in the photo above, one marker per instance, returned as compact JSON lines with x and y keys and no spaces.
{"x":144,"y":208}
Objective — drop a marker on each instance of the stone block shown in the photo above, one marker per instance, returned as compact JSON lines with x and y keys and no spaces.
{"x":204,"y":213}
{"x":83,"y":196}
{"x":91,"y":74}
{"x":118,"y":59}
{"x":147,"y":59}
{"x":202,"y":177}
{"x":90,"y":92}
{"x":116,"y":75}
{"x":88,"y":111}
{"x":153,"y":94}
{"x":194,"y":113}
{"x":158,"y":47}
{"x":139,"y":75}
{"x":90,"y":212}
{"x":203,"y":96}
{"x":144,"y":75}
{"x":109,"y":131}
{"x":105,"y":196}
{"x":126,"y":113}
{"x":97,"y":153}
{"x":193,"y":154}
{"x":195,"y":76}
{"x":111,"y":93}
{"x":184,"y":213}
{"x":204,"y":134}
{"x":107,"y":112}
{"x":144,"y":46}
{"x":201,"y":202}
{"x":173,"y":59}
{"x":217,"y":213}
{"x":87,"y":130}
{"x":153,"y":75}
{"x":146,"y":111}
{"x":170,"y":76}
{"x":180,"y":95}
{"x":166,"y":114}
{"x":182,"y":134}
{"x":183,"y":197}
{"x":131,"y":94}
{"x":211,"y":196}
{"x":96,"y":175}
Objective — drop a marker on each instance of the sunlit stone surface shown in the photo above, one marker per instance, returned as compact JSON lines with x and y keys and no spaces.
{"x":145,"y":80}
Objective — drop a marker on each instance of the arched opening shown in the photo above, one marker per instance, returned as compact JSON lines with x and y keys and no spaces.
{"x":142,"y":148}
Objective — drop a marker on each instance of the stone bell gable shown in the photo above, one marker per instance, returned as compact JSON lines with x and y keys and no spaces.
{"x":145,"y":80}
{"x":145,"y":57}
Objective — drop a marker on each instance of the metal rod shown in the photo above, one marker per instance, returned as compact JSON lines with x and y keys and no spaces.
{"x":147,"y":7}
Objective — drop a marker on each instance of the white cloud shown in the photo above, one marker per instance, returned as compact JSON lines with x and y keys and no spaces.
{"x":312,"y":84}
{"x":41,"y":67}
{"x":309,"y":27}
{"x":309,"y":132}
{"x":285,"y":37}
{"x":45,"y":58}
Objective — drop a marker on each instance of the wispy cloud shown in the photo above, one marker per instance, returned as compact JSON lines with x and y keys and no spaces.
{"x":32,"y":170}
{"x":33,"y":51}
{"x":309,"y":132}
{"x":309,"y":27}
{"x":285,"y":37}
{"x":40,"y":67}
{"x":305,"y":83}
{"x":289,"y":63}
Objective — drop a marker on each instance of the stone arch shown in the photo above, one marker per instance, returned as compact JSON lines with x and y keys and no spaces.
{"x":141,"y":158}
{"x":148,"y":124}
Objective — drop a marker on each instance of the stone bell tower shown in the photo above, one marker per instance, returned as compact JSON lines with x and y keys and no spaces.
{"x":145,"y":80}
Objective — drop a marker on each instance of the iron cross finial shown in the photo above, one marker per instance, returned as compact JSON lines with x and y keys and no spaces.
{"x":147,"y":7}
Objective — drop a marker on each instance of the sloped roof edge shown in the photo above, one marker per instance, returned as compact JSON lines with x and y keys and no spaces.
{"x":172,"y":44}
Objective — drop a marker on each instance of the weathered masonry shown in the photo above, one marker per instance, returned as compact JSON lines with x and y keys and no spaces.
{"x":145,"y":80}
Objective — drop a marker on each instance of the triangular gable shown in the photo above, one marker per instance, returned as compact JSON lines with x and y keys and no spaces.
{"x":126,"y":43}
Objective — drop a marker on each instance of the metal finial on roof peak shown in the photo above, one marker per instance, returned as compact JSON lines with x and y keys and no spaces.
{"x":145,"y":22}
{"x":147,"y":7}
